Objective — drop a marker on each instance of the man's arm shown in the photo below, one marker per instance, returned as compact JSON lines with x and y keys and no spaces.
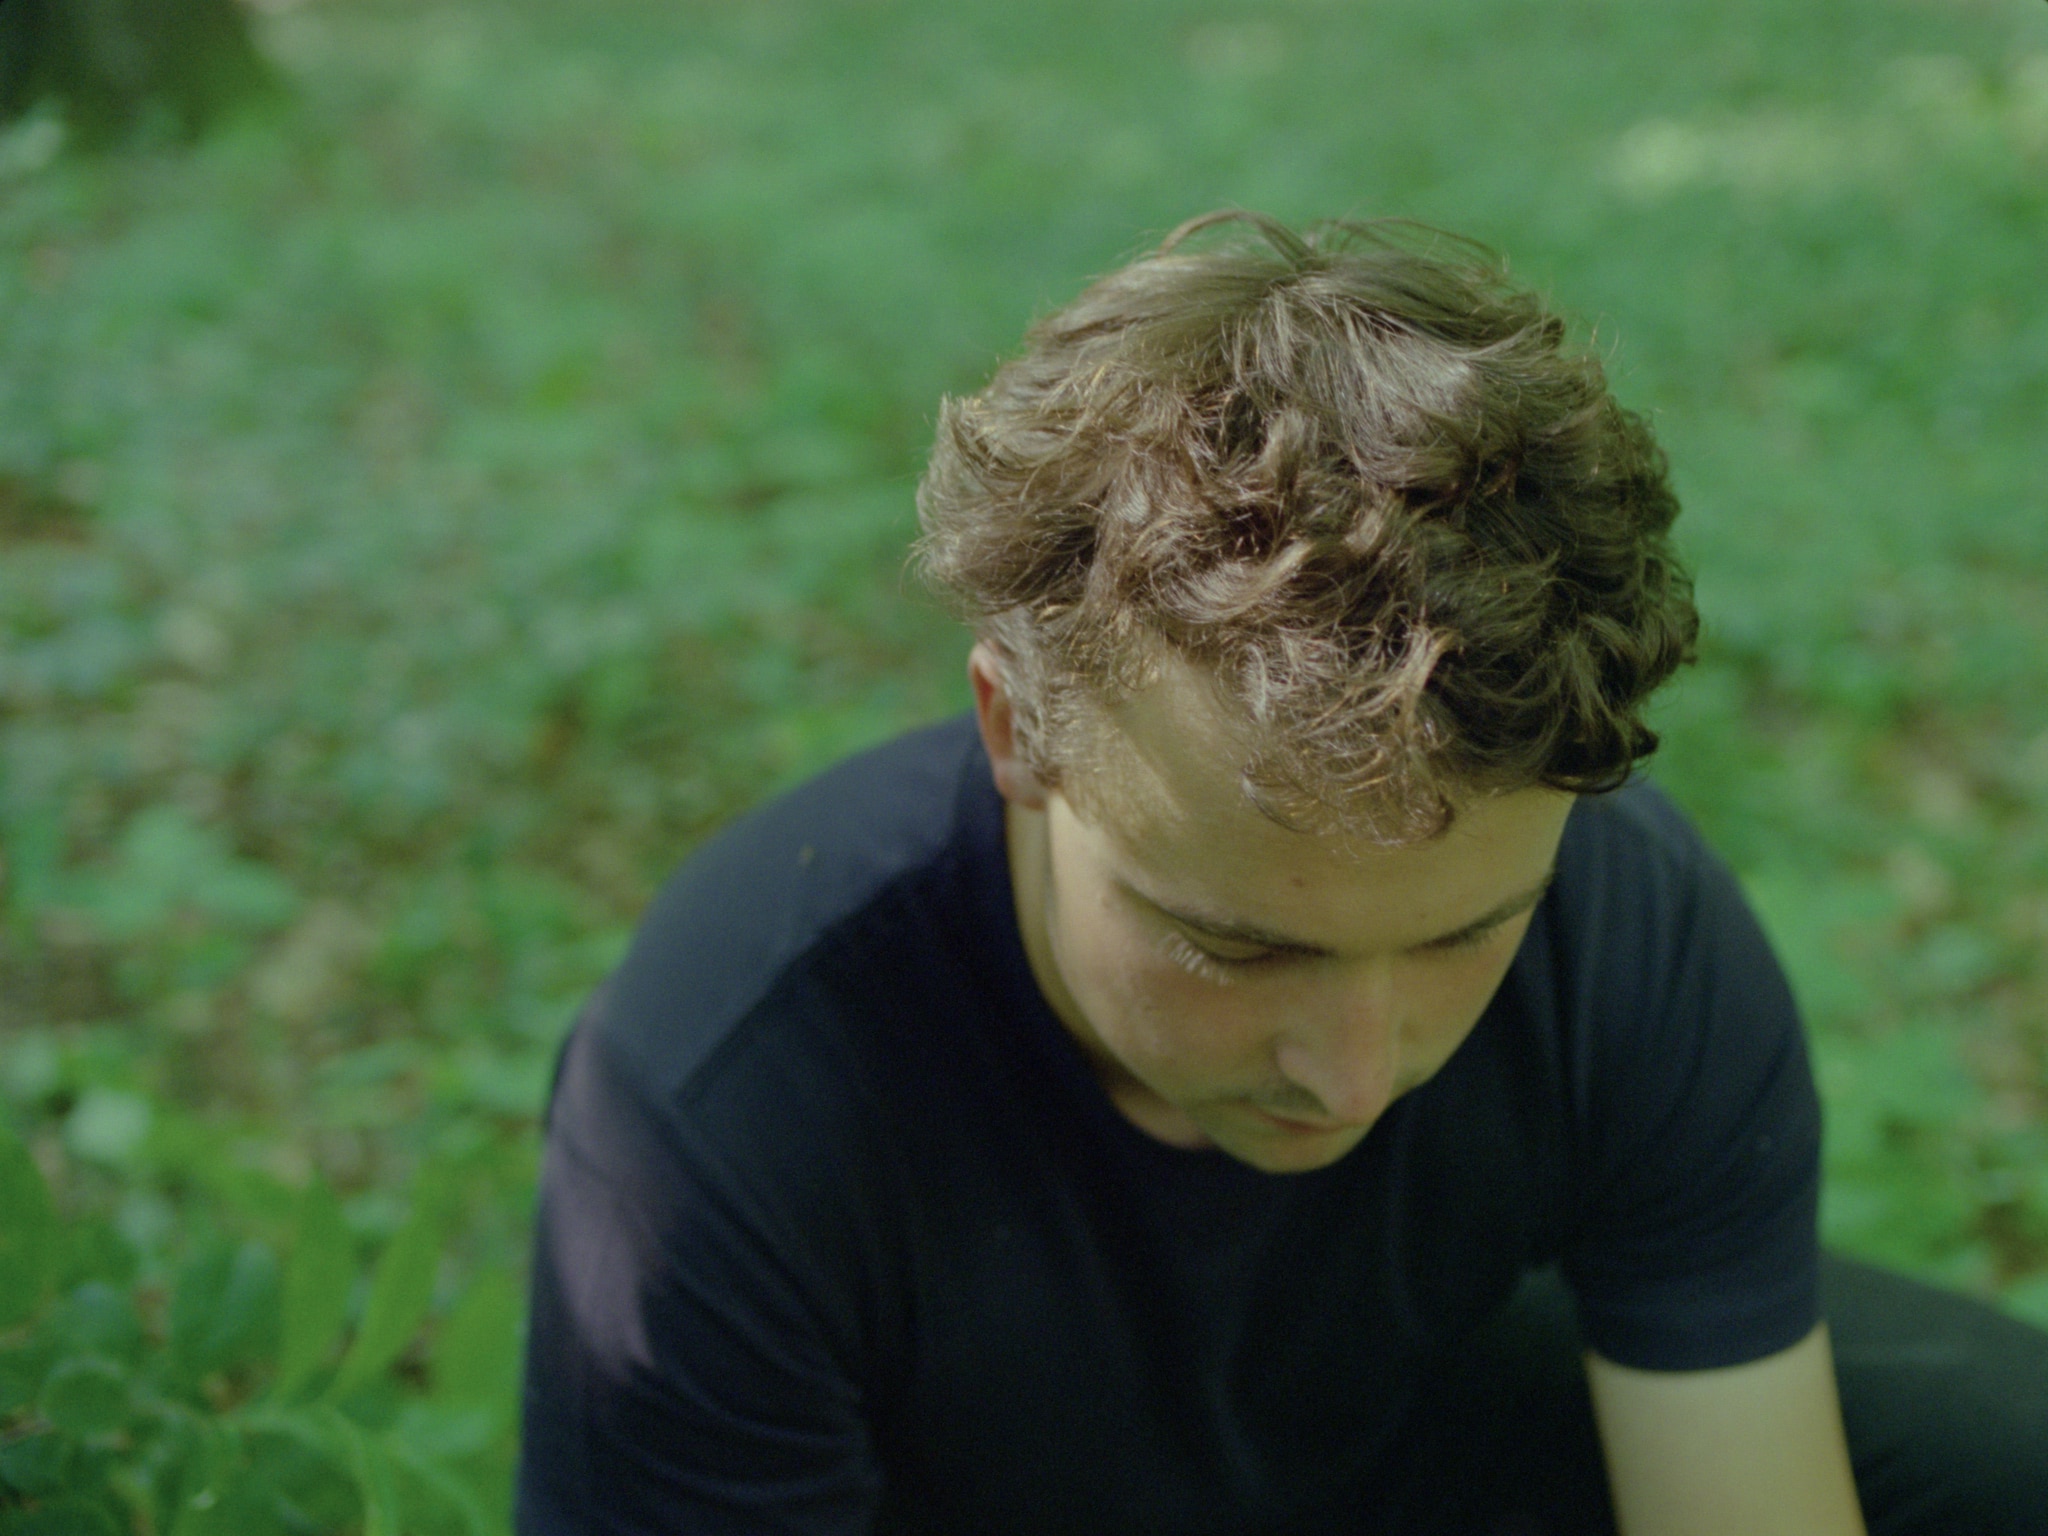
{"x":1747,"y":1450}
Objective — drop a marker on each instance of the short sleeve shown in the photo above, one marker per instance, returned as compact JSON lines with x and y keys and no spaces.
{"x":692,"y":1362}
{"x":1692,"y":1240}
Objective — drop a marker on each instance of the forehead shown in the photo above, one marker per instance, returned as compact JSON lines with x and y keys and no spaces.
{"x":1168,"y":802}
{"x":1178,"y":753}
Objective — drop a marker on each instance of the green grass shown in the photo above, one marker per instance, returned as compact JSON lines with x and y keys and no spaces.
{"x":424,"y":514}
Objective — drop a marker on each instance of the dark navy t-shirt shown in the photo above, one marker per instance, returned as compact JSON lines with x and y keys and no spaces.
{"x":839,"y":1233}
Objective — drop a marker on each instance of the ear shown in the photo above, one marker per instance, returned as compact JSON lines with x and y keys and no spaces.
{"x":1014,"y":782}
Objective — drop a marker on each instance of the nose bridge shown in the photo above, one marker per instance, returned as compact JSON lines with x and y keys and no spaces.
{"x":1344,"y":1045}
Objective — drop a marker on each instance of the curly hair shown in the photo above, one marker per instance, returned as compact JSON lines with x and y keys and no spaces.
{"x":1354,"y":474}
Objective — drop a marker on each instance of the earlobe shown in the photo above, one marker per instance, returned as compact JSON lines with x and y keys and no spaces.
{"x":1015,"y":782}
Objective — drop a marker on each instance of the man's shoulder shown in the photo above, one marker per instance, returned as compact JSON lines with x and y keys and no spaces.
{"x":1640,"y":900}
{"x":1637,"y":821}
{"x":1633,"y":853}
{"x":814,"y":851}
{"x":753,"y":906}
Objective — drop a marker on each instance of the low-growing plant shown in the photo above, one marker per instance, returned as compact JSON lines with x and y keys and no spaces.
{"x":241,"y":1394}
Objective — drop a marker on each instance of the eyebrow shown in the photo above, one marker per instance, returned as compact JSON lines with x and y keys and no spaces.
{"x":1252,"y":935}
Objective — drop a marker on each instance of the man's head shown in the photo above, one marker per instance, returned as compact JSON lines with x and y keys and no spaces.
{"x":1237,"y":983}
{"x":1355,"y":477}
{"x":1312,"y":578}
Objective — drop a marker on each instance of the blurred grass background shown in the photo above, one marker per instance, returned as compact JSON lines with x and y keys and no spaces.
{"x":426,"y":509}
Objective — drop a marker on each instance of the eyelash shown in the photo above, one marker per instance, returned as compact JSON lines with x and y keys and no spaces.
{"x":1470,"y":940}
{"x":1191,"y":957}
{"x":1197,"y":961}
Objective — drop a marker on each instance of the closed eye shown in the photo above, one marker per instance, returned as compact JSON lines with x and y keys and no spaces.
{"x":1189,"y":946}
{"x":1200,"y":960}
{"x":1471,"y":938}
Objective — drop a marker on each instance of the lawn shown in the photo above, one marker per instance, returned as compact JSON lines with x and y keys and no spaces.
{"x":425,"y":511}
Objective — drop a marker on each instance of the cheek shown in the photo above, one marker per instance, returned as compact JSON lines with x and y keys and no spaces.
{"x":1448,"y":1000}
{"x":1143,"y":1006}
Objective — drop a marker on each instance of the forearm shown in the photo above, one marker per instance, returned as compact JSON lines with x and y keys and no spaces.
{"x":1750,"y":1450}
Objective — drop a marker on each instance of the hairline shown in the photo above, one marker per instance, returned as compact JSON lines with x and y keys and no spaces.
{"x":1083,"y":763}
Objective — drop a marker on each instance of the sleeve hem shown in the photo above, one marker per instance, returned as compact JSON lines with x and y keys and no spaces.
{"x":1639,"y":1343}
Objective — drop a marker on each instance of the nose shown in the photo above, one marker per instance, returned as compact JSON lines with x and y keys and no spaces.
{"x":1345,"y":1053}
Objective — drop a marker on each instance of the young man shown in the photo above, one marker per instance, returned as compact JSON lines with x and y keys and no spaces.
{"x":1222,"y":1086}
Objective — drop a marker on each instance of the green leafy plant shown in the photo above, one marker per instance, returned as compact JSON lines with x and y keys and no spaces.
{"x":235,"y":1399}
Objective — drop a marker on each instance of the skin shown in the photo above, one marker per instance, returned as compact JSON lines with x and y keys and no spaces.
{"x":1239,"y":985}
{"x":1750,"y":1450}
{"x":1235,"y":983}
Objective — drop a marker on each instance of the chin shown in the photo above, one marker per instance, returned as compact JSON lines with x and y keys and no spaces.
{"x":1286,"y":1153}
